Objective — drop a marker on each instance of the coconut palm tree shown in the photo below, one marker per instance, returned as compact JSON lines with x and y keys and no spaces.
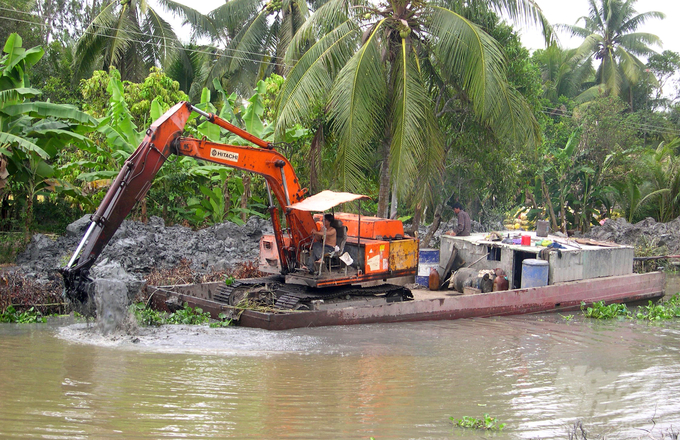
{"x":379,"y":67}
{"x":563,"y":71}
{"x":610,"y":36}
{"x":132,"y":36}
{"x":249,"y":40}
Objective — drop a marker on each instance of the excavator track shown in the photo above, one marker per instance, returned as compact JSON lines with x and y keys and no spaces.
{"x":272,"y":291}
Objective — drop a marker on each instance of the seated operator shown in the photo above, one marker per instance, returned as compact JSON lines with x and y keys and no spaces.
{"x":331,"y":239}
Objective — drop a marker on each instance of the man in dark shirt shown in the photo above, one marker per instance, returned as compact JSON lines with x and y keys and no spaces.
{"x":464,"y":224}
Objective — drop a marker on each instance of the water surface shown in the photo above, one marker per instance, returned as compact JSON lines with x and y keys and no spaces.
{"x":538,"y":373}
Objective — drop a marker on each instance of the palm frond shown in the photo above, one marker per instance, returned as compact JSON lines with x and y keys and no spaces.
{"x":633,"y":23}
{"x":637,"y":43}
{"x":631,"y":66}
{"x":357,"y":109}
{"x":233,"y":14}
{"x":328,"y":17}
{"x":526,"y":12}
{"x":416,"y":148}
{"x":247,"y":45}
{"x":92,"y":43}
{"x":201,"y":24}
{"x":468,"y":56}
{"x":472,"y":59}
{"x":313,"y":74}
{"x":610,"y":75}
{"x":164,"y":43}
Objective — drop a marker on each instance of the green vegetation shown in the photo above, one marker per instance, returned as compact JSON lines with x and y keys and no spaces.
{"x":664,"y":310}
{"x":11,"y":243}
{"x":29,"y":316}
{"x":486,"y":423}
{"x":668,"y":309}
{"x":223,"y":321}
{"x":187,"y":315}
{"x":384,"y":99}
{"x":601,"y":311}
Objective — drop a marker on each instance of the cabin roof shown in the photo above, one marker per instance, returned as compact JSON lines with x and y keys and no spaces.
{"x":326,"y":200}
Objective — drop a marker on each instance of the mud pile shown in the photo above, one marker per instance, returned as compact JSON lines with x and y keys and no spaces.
{"x":646,"y":233}
{"x":136,"y":248}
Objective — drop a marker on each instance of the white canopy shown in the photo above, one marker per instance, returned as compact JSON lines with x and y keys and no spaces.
{"x":326,"y":200}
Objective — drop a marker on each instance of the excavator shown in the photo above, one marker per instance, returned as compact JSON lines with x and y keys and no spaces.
{"x":373,"y":255}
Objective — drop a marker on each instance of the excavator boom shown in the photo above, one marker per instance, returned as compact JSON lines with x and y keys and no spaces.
{"x":162,"y":139}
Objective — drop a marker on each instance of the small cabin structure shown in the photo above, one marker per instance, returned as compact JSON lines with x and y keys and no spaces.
{"x":576,"y":259}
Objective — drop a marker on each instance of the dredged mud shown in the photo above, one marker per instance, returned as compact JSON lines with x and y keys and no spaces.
{"x":138,"y":248}
{"x":645,"y":233}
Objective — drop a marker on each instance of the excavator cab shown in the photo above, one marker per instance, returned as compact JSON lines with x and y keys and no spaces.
{"x":370,"y":250}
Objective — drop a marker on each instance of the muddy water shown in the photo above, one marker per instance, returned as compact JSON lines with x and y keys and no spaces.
{"x":536,"y":373}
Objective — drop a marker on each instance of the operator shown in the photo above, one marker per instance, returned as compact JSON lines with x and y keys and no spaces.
{"x":331,"y":239}
{"x":464,"y":224}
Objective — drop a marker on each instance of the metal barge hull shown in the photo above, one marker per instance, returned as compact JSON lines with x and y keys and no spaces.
{"x":431,"y":305}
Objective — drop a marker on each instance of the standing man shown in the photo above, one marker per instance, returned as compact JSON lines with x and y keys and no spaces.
{"x":464,"y":224}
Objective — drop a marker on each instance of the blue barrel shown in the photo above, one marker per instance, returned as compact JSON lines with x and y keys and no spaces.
{"x":534,"y":273}
{"x":427,"y":259}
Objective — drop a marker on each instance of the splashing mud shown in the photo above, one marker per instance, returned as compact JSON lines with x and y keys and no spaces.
{"x":112,"y":305}
{"x":194,"y":339}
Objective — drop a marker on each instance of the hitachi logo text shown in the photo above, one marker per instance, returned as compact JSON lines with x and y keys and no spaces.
{"x":226,"y":155}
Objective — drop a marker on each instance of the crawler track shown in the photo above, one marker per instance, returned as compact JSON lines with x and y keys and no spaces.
{"x":271,"y":291}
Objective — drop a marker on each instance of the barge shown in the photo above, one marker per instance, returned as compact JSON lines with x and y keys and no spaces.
{"x":578,"y":271}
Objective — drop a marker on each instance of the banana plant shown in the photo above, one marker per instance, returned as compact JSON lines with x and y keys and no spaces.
{"x":33,"y":133}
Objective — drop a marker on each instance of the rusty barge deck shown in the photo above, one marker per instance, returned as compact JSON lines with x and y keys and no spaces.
{"x":427,"y":305}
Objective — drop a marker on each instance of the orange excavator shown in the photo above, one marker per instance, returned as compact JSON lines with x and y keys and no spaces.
{"x":371,"y":251}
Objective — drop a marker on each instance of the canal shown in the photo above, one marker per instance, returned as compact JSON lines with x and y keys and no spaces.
{"x":538,"y":374}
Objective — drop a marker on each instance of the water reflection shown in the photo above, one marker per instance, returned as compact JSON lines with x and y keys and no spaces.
{"x":536,"y":373}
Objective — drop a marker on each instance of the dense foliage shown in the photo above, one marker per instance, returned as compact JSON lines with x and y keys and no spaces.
{"x":593,"y":132}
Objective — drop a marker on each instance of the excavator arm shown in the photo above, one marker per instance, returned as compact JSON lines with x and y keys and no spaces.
{"x":135,"y":178}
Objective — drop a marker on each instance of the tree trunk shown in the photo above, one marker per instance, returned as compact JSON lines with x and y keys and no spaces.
{"x":394,"y":202}
{"x":548,"y":201}
{"x":29,"y":215}
{"x":384,"y":194}
{"x":425,"y":242}
{"x":226,"y":196}
{"x":315,"y":160}
{"x":563,"y":214}
{"x":415,"y":223}
{"x":246,"y":195}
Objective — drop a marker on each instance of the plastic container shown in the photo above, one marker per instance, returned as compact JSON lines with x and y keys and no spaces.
{"x":427,"y":259}
{"x":434,"y":279}
{"x":526,"y":240}
{"x":542,"y":228}
{"x":534,"y":273}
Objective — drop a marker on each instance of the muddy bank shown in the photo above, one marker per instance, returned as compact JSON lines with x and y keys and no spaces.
{"x":138,"y":249}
